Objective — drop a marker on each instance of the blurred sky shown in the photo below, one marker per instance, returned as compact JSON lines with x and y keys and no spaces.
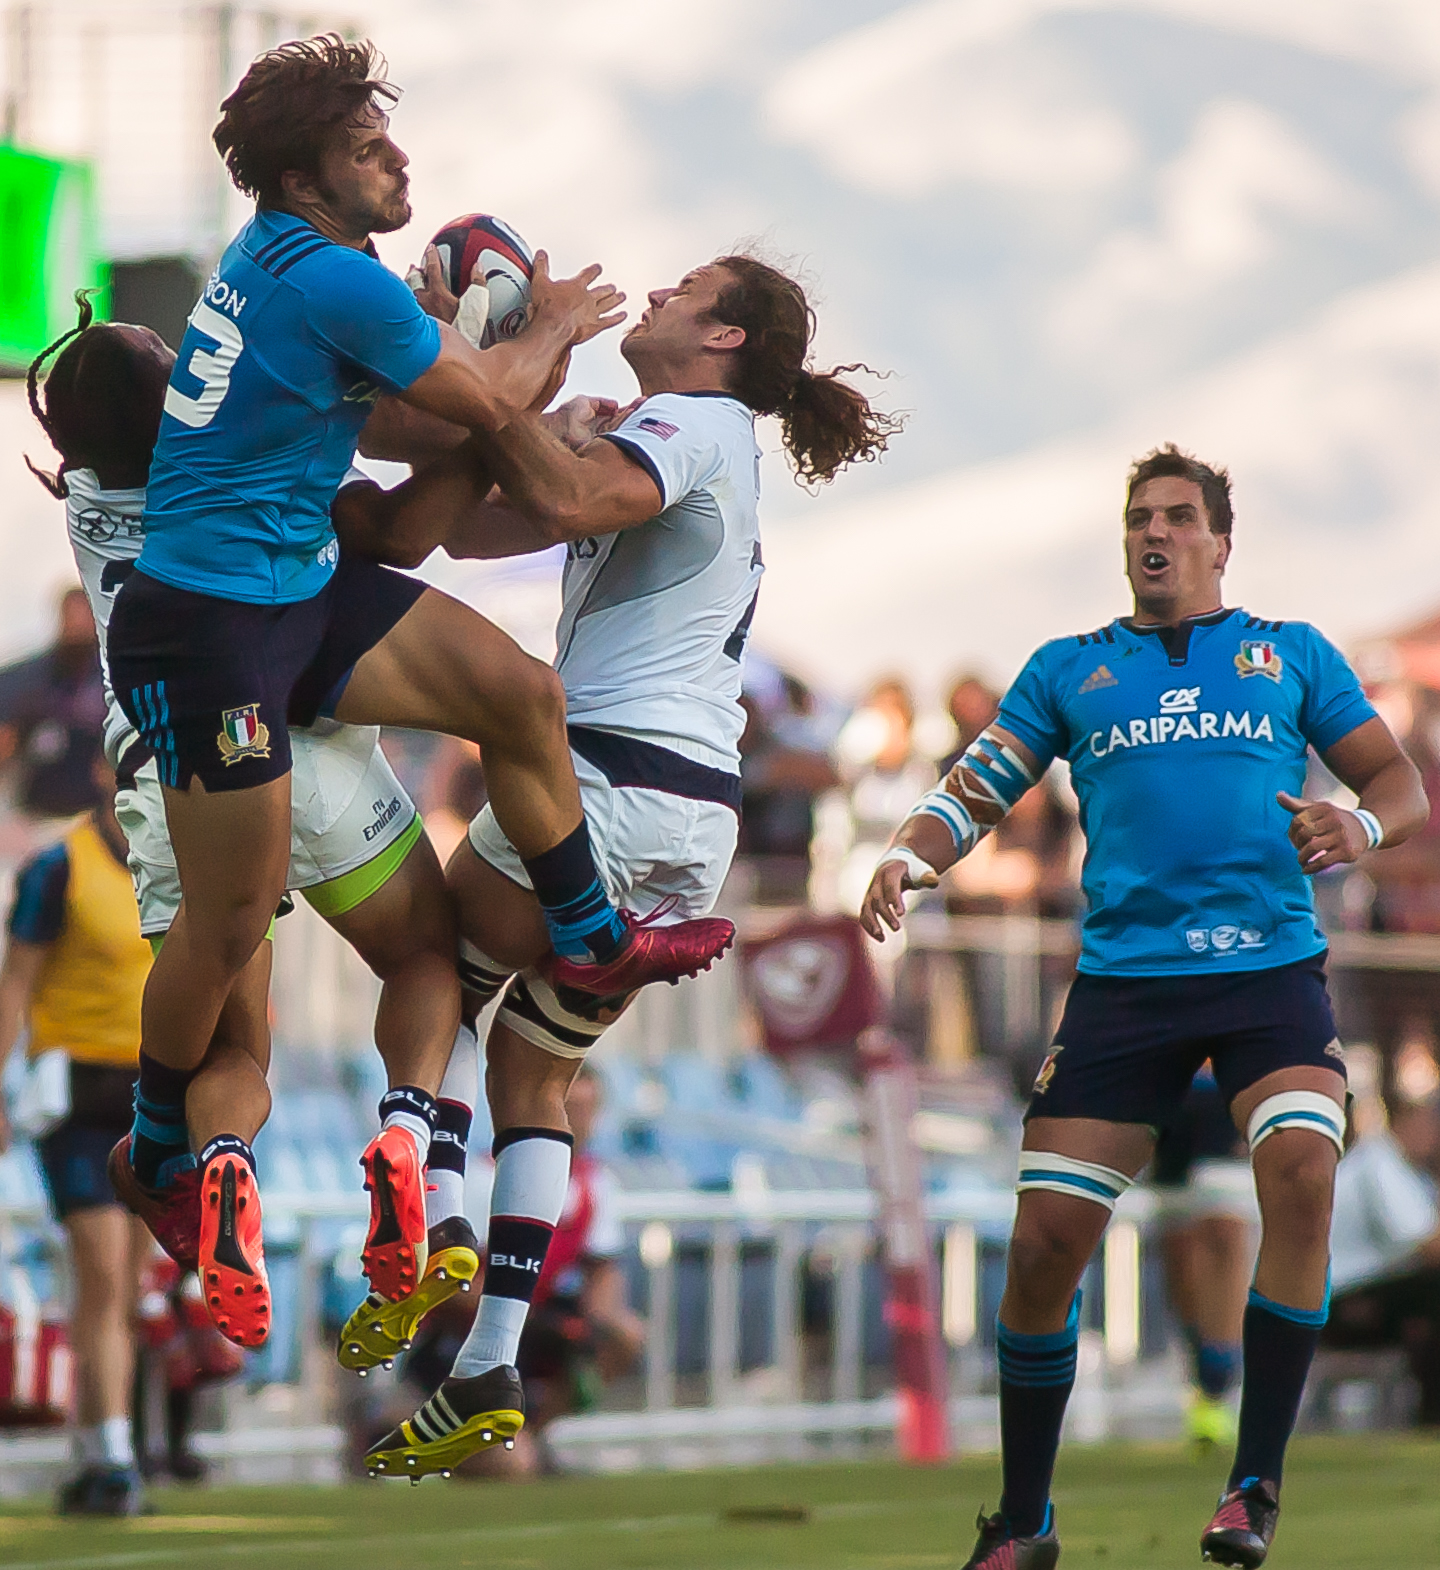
{"x":1069,"y":229}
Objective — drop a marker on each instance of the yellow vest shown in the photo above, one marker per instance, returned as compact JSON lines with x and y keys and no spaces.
{"x":87,"y":998}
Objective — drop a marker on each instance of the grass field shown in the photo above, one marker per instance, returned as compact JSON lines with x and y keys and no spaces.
{"x":1348,"y":1504}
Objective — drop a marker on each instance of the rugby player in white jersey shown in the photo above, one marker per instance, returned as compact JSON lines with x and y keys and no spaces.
{"x":358,"y":852}
{"x":659,"y":516}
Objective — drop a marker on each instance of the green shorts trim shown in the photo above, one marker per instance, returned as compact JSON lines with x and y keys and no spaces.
{"x":156,"y":941}
{"x":353,"y":888}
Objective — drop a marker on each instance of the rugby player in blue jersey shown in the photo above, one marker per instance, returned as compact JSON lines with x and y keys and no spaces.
{"x":1186,"y":727}
{"x":243,"y":616}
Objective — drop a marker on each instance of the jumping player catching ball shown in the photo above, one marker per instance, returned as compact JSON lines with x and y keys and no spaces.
{"x":1186,"y":727}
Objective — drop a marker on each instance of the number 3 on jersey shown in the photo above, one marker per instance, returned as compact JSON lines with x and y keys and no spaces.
{"x":211,"y":369}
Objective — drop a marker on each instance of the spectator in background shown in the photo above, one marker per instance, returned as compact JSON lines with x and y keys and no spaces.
{"x":72,"y":977}
{"x":1385,"y":1248}
{"x":883,"y":774}
{"x":780,"y":782}
{"x":454,"y":792}
{"x":972,"y":705}
{"x":52,"y":714}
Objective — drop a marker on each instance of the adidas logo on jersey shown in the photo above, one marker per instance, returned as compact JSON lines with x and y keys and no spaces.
{"x":1098,"y":678}
{"x":1180,"y":725}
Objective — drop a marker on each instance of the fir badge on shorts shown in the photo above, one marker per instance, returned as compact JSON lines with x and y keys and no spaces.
{"x":242,"y":735}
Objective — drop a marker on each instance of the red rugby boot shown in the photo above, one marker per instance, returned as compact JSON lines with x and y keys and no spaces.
{"x":397,"y":1247}
{"x":172,"y":1213}
{"x":232,"y":1252}
{"x":649,"y":953}
{"x":1243,"y":1526}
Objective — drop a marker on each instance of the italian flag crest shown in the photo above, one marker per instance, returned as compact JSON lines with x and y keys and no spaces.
{"x":242,"y":735}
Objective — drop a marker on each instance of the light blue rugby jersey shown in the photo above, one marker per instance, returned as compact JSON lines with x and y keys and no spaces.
{"x":286,"y":352}
{"x":1178,"y":740}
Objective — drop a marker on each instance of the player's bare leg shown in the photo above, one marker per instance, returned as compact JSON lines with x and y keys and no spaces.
{"x":444,"y":668}
{"x":1295,"y":1183}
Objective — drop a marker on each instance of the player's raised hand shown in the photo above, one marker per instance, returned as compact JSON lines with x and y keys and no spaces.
{"x":884,"y":900}
{"x":580,"y":420}
{"x":586,"y":306}
{"x":431,"y":287}
{"x":1323,"y":834}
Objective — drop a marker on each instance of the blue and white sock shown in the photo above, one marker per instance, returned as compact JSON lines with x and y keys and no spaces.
{"x":1280,"y":1344}
{"x":581,"y":921}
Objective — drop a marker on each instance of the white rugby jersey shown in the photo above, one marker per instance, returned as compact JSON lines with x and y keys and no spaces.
{"x":655,"y":618}
{"x":105,"y":535}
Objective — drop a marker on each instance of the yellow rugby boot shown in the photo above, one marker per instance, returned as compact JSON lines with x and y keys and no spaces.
{"x":1210,"y":1422}
{"x":379,"y":1331}
{"x":463,"y":1416}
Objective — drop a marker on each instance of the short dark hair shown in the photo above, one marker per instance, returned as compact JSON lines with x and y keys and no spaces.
{"x":1168,"y":462}
{"x":290,"y":105}
{"x":102,"y":402}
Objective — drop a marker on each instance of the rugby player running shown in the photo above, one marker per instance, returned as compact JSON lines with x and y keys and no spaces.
{"x":243,"y":616}
{"x":659,"y":517}
{"x":1186,"y":727}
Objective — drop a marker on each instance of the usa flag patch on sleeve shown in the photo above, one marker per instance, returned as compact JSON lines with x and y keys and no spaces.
{"x":661,"y":428}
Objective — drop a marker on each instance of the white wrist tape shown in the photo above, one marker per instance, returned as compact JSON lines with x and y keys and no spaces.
{"x":473,"y":315}
{"x":1297,"y":1109}
{"x":1374,"y":829}
{"x":917,"y":869}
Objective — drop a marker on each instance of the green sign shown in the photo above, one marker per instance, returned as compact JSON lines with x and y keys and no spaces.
{"x":49,"y":248}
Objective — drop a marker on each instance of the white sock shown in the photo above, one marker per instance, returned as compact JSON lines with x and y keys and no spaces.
{"x":532,"y":1176}
{"x":116,"y":1446}
{"x":445,"y":1171}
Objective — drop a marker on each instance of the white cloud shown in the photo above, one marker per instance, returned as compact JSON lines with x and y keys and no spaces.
{"x":939,"y":93}
{"x":1223,"y":207}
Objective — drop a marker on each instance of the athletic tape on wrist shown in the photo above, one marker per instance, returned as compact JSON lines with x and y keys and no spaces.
{"x":917,"y":869}
{"x":954,"y":814}
{"x":1043,"y":1169}
{"x":1308,"y":1109}
{"x":1374,"y":829}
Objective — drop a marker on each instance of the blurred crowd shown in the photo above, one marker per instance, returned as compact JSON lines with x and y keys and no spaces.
{"x":974,"y":989}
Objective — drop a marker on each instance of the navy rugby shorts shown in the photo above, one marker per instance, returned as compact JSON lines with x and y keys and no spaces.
{"x":1128,"y":1046}
{"x":73,"y":1154}
{"x":211,"y":685}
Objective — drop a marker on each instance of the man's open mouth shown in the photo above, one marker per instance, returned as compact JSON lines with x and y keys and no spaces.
{"x":1153,"y":561}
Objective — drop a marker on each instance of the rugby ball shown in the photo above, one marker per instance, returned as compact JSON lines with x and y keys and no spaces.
{"x":506,"y":265}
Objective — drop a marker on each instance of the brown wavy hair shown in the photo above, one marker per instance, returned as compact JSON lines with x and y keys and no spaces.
{"x":827,"y":422}
{"x":291,"y":105}
{"x":1170,"y":462}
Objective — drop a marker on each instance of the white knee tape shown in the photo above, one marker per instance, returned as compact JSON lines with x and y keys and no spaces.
{"x":1297,"y":1109}
{"x":479,"y":973}
{"x":1064,"y":1175}
{"x":531,"y":1009}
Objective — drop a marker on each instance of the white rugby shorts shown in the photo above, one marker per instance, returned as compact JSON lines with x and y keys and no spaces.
{"x":648,"y":845}
{"x":346,"y":806}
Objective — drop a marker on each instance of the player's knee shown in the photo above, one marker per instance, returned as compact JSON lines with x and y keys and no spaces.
{"x":1048,"y":1251}
{"x":1299,"y":1180}
{"x":534,"y":698}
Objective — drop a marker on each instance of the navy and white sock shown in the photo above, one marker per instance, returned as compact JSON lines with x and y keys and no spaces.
{"x":414,"y":1110}
{"x":1280,"y":1344}
{"x":445,"y":1168}
{"x":480,"y":974}
{"x":227,"y":1143}
{"x":159,"y":1137}
{"x":1214,"y":1365}
{"x":1037,"y":1374}
{"x":579,"y":917}
{"x":532,"y":1175}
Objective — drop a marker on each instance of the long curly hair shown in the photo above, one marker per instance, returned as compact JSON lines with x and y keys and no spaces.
{"x":826,"y":422}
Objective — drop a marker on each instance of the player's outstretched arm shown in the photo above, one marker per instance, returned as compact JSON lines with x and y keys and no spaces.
{"x":567,"y":495}
{"x":947,"y":824}
{"x":1392,"y":804}
{"x":485,"y":391}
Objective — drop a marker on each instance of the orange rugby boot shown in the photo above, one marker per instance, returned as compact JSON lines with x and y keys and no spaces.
{"x":397,"y":1247}
{"x":232,"y":1251}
